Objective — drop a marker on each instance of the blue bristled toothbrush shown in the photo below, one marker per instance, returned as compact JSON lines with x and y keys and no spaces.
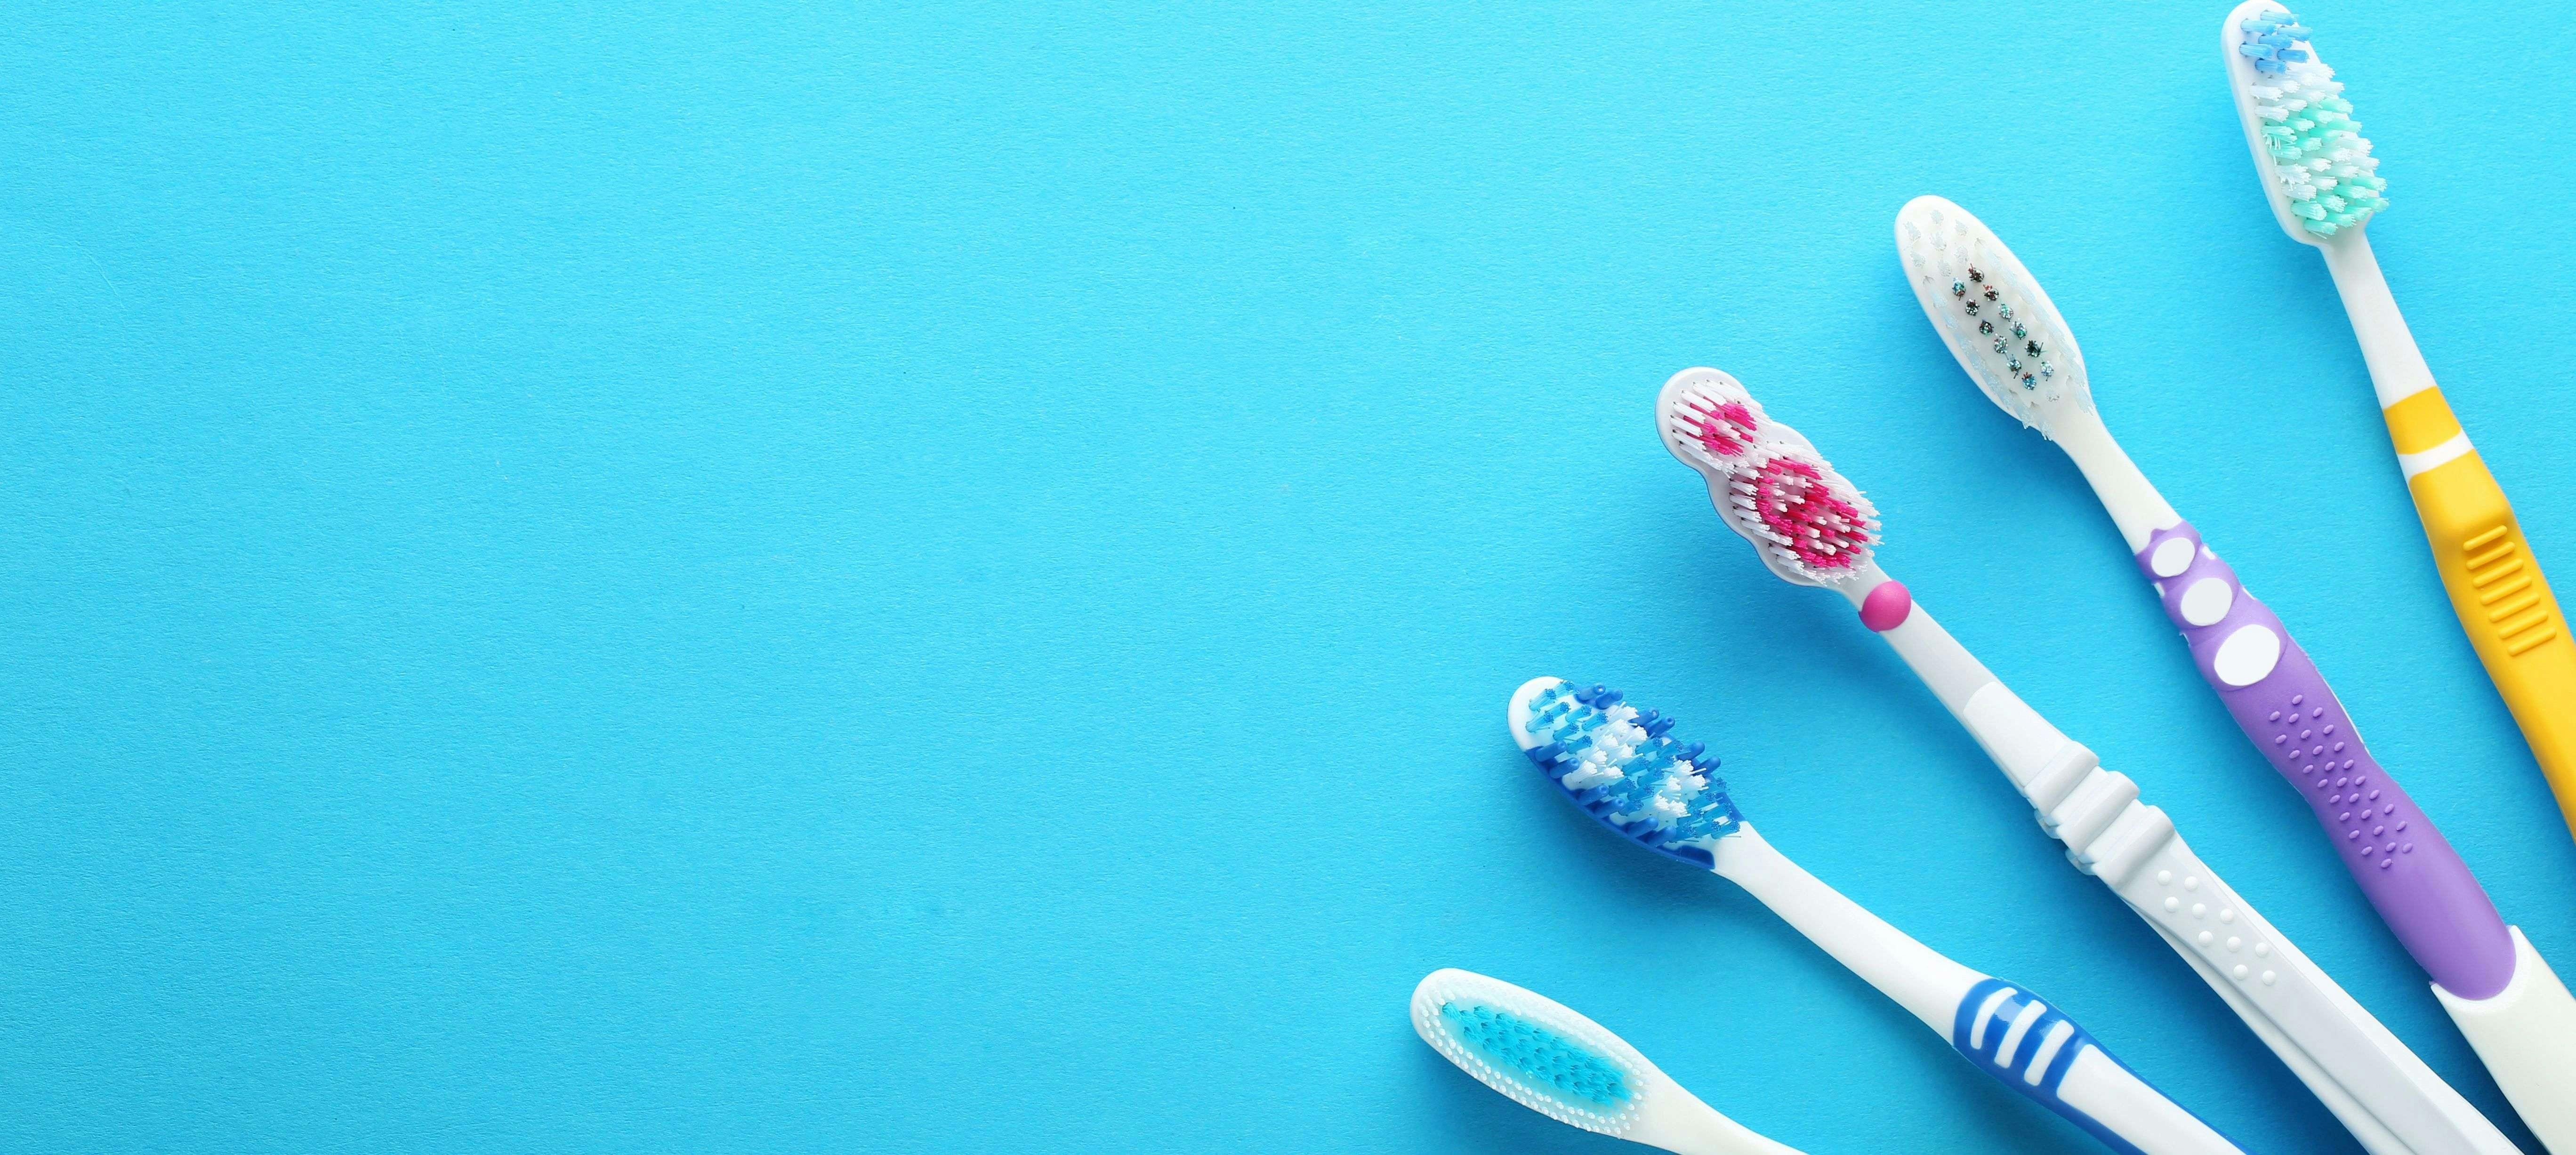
{"x":1625,"y":769}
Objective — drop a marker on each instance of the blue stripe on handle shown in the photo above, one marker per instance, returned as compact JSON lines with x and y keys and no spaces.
{"x":1986,"y":1051}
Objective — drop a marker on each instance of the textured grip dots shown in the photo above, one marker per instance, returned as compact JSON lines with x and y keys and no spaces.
{"x":2317,"y":753}
{"x":2236,"y":949}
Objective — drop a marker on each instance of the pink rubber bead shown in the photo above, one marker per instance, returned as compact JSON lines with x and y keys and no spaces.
{"x":1886,"y":607}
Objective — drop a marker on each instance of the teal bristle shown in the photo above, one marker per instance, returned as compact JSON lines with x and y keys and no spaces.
{"x":1543,"y":1060}
{"x":2320,"y":160}
{"x":1624,"y":768}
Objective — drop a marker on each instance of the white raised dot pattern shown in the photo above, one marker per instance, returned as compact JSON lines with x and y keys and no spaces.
{"x":2211,"y":946}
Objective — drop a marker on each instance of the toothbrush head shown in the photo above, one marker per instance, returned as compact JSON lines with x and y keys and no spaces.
{"x":1810,"y":525}
{"x":1539,"y":1053}
{"x":2316,"y":166}
{"x":1992,"y":314}
{"x":1623,"y":768}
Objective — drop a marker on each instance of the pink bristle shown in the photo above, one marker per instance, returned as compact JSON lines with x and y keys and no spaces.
{"x":1720,"y":422}
{"x":1725,"y":430}
{"x":1814,"y":520}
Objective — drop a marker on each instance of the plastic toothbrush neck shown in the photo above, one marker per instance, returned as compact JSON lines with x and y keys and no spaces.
{"x":2132,"y":501}
{"x":2397,"y":368}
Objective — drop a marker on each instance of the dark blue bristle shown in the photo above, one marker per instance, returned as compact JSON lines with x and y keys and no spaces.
{"x":1650,"y":799}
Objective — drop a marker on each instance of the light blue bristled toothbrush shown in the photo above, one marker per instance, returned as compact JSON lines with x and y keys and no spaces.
{"x":1545,"y":1057}
{"x":1625,"y":769}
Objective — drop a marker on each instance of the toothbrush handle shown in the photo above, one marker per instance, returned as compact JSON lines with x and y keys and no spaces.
{"x":2421,"y":888}
{"x":2033,"y":1048}
{"x":2505,"y":606}
{"x":2005,"y":1031}
{"x":2495,"y":585}
{"x":2386,"y":1096}
{"x":2505,"y":999}
{"x":2379,"y":1090}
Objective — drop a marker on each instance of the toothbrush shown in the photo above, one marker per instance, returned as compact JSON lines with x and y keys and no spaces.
{"x":2323,"y":186}
{"x":1543,"y":1056}
{"x":1628,"y":771}
{"x":2506,"y":1000}
{"x":1811,"y":527}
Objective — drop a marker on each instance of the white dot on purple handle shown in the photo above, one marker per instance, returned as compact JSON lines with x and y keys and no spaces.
{"x":2207,"y":601}
{"x":2171,"y":558}
{"x":2247,"y":656}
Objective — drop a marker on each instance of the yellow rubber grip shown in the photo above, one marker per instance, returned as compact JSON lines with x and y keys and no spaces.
{"x":2496,"y":587}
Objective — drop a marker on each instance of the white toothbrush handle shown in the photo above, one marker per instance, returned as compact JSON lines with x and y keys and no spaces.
{"x":2526,"y":1033}
{"x":2388,"y":349}
{"x":2004,"y":1030}
{"x":1924,"y":981}
{"x":1677,"y":1121}
{"x":2383,"y":1093}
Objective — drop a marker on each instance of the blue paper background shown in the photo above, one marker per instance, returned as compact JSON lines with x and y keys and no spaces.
{"x":784,"y":577}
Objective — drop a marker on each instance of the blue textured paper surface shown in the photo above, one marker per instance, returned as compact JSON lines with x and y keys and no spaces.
{"x":863,"y":578}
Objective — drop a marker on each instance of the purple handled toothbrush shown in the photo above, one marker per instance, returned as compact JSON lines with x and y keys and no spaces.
{"x":2011,"y":340}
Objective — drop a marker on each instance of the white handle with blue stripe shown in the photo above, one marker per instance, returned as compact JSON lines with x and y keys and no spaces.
{"x":2024,"y":1043}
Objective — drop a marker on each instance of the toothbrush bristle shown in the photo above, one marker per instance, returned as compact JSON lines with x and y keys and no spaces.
{"x":1812,"y":520}
{"x":1533,"y":1049}
{"x":1625,"y":768}
{"x":1991,"y":313}
{"x":1811,"y":524}
{"x":2320,"y":160}
{"x":1719,"y":421}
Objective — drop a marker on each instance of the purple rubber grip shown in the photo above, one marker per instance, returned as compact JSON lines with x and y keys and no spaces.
{"x":2422,"y":889}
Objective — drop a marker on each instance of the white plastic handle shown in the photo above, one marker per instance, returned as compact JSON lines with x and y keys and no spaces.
{"x":2526,"y":1034}
{"x":2386,"y":1096}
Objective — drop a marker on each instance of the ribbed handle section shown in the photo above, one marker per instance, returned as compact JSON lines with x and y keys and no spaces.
{"x":2409,"y":872}
{"x":2044,"y":1056}
{"x":2506,"y":609}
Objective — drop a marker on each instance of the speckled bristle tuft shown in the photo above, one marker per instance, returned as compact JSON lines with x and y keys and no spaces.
{"x":1991,"y":313}
{"x":1624,"y":768}
{"x":1538,"y":1052}
{"x":2320,"y":160}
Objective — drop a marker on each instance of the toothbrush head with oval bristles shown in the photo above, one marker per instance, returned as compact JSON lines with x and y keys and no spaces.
{"x":1541,"y":1054}
{"x":2317,"y":168}
{"x":1992,"y":314}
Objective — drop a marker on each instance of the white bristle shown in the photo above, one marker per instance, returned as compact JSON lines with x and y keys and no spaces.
{"x":2315,"y":163}
{"x":1992,"y":314}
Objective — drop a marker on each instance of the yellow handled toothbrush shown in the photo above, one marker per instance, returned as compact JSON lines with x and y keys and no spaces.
{"x":2323,"y":187}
